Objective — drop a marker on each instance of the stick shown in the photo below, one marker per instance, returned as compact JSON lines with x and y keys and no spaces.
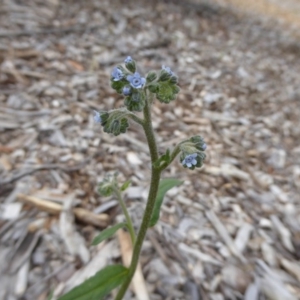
{"x":81,"y":214}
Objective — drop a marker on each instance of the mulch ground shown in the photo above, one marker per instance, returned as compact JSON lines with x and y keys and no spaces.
{"x":231,"y":230}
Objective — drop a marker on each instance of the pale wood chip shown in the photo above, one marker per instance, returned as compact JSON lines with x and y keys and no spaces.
{"x":138,"y":281}
{"x":220,"y":228}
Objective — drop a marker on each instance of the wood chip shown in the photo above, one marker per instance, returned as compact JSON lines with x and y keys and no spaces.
{"x":284,"y":233}
{"x":138,"y":281}
{"x":80,"y":213}
{"x":220,"y":228}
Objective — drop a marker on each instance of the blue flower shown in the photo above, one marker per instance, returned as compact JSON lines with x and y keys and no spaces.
{"x":136,"y":81}
{"x":168,"y":70}
{"x":97,"y":117}
{"x":204,"y":146}
{"x":128,"y":60}
{"x":126,"y":90}
{"x":190,"y":160}
{"x":117,"y":74}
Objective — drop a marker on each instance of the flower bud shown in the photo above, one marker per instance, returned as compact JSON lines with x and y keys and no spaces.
{"x":130,"y":64}
{"x":151,"y":76}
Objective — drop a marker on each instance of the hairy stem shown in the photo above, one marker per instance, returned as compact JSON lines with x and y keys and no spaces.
{"x":125,"y":211}
{"x":136,"y":118}
{"x":155,"y":177}
{"x":174,"y":153}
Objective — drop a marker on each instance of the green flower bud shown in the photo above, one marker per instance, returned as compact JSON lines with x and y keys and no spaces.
{"x":130,"y":64}
{"x":151,"y":76}
{"x":164,"y":75}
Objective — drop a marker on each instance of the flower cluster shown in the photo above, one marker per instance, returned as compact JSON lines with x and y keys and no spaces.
{"x":114,"y":122}
{"x":128,"y":82}
{"x":190,"y":160}
{"x":137,"y":89}
{"x":192,"y":152}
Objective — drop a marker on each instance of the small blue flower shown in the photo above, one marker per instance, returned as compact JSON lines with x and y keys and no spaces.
{"x":190,"y":160}
{"x":128,"y":60}
{"x":136,"y":81}
{"x":204,"y":146}
{"x":97,"y":117}
{"x":126,"y":90}
{"x":117,"y":74}
{"x":168,"y":70}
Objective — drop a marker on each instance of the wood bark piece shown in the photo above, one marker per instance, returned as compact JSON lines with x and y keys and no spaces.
{"x":72,"y":239}
{"x":284,"y":233}
{"x":198,"y":254}
{"x":220,"y":228}
{"x":243,"y":236}
{"x":138,"y":281}
{"x":22,"y":279}
{"x":81,"y":214}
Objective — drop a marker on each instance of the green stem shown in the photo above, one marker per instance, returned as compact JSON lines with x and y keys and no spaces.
{"x":125,"y":211}
{"x":136,"y":118}
{"x":174,"y":153}
{"x":155,"y":177}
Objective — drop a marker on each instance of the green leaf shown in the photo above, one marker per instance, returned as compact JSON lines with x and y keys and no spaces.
{"x":125,"y":185}
{"x":99,"y":285}
{"x":165,"y":158}
{"x":164,"y":186}
{"x":153,"y":87}
{"x":166,"y":92}
{"x":107,"y":233}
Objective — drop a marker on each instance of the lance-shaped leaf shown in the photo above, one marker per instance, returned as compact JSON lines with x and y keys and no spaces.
{"x":107,"y":233}
{"x":96,"y":287}
{"x":125,"y":185}
{"x":164,"y":186}
{"x":165,"y":158}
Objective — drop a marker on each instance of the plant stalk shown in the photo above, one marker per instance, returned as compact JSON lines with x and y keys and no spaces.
{"x":155,"y":177}
{"x":127,"y":217}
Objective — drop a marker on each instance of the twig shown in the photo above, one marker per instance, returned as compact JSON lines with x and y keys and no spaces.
{"x":81,"y":214}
